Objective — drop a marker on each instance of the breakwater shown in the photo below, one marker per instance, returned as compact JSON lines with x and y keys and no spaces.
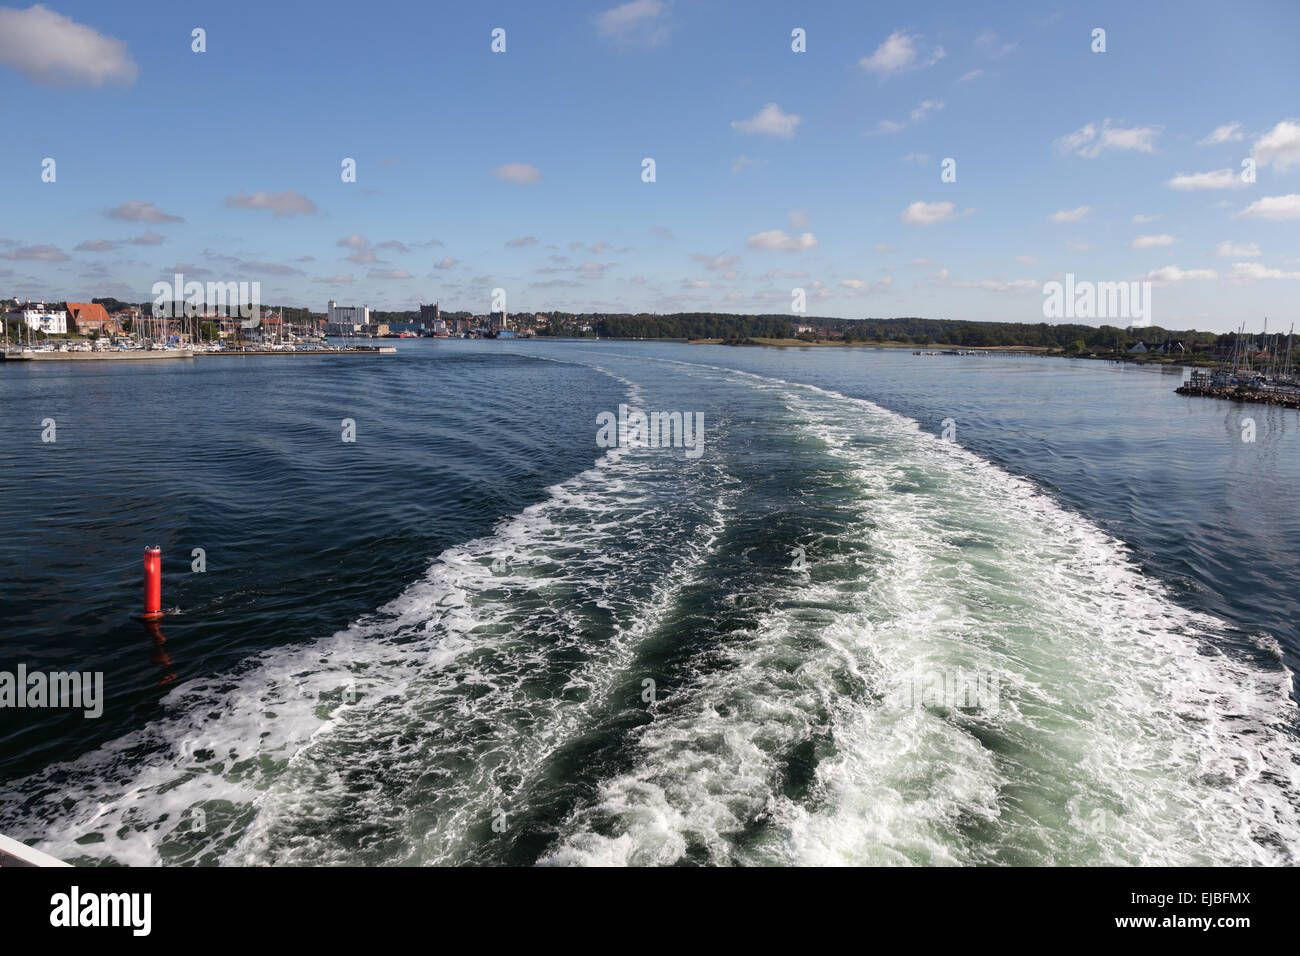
{"x":1287,"y":398}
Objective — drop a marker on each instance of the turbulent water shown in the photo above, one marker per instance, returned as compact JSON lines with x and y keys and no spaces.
{"x":1060,"y":634}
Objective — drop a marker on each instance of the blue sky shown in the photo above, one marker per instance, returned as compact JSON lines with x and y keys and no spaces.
{"x":774,"y":169}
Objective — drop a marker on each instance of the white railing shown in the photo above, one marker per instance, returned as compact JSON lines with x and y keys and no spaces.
{"x":13,"y":853}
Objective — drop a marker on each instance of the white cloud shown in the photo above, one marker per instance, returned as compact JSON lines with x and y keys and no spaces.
{"x":988,"y":43}
{"x":1070,"y":215}
{"x":743,"y":162}
{"x":972,"y":75}
{"x":887,"y":126}
{"x":921,"y":159}
{"x":521,"y":174}
{"x":999,"y":285}
{"x":926,"y":106}
{"x":1279,"y":147}
{"x":944,"y":277}
{"x":1140,"y":218}
{"x":918,"y":114}
{"x":282,"y":205}
{"x":50,"y":49}
{"x":270,"y":269}
{"x":1277,"y":208}
{"x":38,"y":253}
{"x":769,"y":121}
{"x":715,"y":263}
{"x":1173,"y":274}
{"x":95,"y":245}
{"x":1227,"y":133}
{"x":390,"y":274}
{"x":640,"y":21}
{"x":799,"y":220}
{"x":333,"y":280}
{"x":138,"y":210}
{"x":521,"y":242}
{"x":353,"y":241}
{"x":928,"y":213}
{"x":777,"y":240}
{"x":1250,"y":271}
{"x":1151,"y":242}
{"x":858,"y":287}
{"x":1091,"y":141}
{"x":595,"y":270}
{"x":1236,"y":250}
{"x":899,"y":53}
{"x":1216,"y":179}
{"x":446,"y":263}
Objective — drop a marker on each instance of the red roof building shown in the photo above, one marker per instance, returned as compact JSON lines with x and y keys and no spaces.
{"x":91,"y":317}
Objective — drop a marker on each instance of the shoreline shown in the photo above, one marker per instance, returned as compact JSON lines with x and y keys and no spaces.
{"x":1042,"y":350}
{"x":1235,"y":393}
{"x":164,"y":354}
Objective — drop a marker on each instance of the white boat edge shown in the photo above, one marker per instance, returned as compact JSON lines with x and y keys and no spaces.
{"x":22,"y":855}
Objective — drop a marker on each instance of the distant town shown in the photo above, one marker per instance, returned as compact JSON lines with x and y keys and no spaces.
{"x":109,"y":322}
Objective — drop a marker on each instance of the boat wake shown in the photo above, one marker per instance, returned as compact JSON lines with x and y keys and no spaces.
{"x":962,"y":672}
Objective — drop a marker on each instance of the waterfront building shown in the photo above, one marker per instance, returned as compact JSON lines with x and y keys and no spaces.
{"x":36,"y":316}
{"x":355,"y":316}
{"x":89,"y":317}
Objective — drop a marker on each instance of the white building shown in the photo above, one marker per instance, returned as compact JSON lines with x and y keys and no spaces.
{"x":36,"y":316}
{"x":355,"y":316}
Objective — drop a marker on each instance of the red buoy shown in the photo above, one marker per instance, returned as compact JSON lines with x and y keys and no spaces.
{"x":153,"y":582}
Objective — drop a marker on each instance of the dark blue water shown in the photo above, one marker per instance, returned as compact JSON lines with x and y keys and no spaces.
{"x":432,"y":644}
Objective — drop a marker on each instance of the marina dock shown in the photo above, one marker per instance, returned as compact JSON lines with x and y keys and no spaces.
{"x":116,"y":355}
{"x":1202,"y":385}
{"x":1262,"y":374}
{"x":137,"y":355}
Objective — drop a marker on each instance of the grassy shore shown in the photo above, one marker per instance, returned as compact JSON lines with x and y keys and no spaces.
{"x":859,"y":343}
{"x":1141,"y":359}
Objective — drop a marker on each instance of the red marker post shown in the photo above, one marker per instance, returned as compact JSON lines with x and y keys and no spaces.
{"x":153,"y":582}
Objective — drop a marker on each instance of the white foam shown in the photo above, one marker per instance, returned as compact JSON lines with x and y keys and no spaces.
{"x":1122,"y":734}
{"x":304,"y":737}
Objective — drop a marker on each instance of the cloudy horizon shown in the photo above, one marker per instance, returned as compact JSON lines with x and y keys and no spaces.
{"x":650,"y":157}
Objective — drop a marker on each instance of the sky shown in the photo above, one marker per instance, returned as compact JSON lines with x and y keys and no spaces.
{"x":774,"y":169}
